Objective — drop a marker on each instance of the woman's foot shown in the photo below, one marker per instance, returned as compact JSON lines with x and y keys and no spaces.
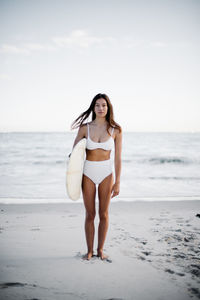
{"x":101,"y":255}
{"x":88,"y":256}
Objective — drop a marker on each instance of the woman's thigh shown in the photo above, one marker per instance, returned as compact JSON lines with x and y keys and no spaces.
{"x":104,"y":193}
{"x":89,"y":193}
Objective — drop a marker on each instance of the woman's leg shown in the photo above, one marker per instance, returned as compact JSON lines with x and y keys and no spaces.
{"x":89,"y":192}
{"x":104,"y":193}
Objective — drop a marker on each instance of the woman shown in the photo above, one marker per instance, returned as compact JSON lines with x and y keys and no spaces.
{"x":102,"y":134}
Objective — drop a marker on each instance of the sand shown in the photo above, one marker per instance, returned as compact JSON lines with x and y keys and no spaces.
{"x":153,"y":248}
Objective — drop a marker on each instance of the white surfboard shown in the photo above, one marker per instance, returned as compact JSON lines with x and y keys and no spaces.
{"x":75,"y":170}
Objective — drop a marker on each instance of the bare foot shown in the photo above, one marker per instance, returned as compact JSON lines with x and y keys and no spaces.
{"x":88,"y":256}
{"x":101,"y":255}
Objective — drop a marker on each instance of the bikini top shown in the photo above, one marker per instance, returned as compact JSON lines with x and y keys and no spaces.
{"x":107,"y":145}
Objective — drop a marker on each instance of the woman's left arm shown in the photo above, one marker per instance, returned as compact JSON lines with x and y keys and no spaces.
{"x":118,"y":153}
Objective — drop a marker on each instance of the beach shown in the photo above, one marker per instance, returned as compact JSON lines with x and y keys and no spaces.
{"x":153,"y":250}
{"x":129,"y":68}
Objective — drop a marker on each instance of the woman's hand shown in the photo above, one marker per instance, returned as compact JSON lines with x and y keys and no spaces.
{"x":115,"y":189}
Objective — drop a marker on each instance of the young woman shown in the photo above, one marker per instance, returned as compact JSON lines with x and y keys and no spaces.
{"x":103,"y":135}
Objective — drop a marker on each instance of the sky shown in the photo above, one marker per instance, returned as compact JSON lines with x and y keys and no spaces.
{"x":55,"y":56}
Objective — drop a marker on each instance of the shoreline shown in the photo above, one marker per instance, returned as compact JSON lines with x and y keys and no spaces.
{"x":26,"y":200}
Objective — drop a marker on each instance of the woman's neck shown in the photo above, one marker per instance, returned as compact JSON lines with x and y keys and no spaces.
{"x":100,"y":121}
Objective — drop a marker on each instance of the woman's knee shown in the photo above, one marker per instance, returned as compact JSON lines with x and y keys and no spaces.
{"x":90,"y":216}
{"x":103,"y":216}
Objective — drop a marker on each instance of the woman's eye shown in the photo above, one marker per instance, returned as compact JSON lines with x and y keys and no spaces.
{"x":98,"y":105}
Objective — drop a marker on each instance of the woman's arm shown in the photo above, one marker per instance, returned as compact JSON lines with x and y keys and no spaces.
{"x":118,"y":153}
{"x":80,"y":135}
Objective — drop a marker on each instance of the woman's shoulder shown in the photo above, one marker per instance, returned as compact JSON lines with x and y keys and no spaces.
{"x":117,"y":130}
{"x":83,"y":125}
{"x":83,"y":128}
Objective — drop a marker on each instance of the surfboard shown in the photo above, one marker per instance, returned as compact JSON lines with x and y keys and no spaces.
{"x":75,"y":170}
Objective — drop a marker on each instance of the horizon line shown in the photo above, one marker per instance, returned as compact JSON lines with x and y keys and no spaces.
{"x":71,"y":131}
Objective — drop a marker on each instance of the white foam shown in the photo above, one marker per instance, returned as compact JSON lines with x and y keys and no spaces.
{"x":117,"y":199}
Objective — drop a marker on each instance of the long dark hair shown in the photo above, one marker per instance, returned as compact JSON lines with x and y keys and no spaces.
{"x":109,"y":116}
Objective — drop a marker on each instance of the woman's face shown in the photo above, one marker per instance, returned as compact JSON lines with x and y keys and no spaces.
{"x":101,"y":108}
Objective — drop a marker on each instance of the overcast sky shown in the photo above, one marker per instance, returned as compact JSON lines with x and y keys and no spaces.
{"x":55,"y":56}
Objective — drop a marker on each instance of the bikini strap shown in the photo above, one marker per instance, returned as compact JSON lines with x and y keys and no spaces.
{"x":112,"y":131}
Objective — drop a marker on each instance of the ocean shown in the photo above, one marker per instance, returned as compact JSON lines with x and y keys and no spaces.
{"x":155,"y":166}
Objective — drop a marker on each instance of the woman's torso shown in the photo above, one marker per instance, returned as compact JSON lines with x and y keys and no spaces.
{"x":98,"y":149}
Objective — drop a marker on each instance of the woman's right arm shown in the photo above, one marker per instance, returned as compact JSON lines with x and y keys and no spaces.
{"x":80,"y":135}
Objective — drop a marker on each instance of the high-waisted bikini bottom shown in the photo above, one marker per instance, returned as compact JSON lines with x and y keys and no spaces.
{"x":97,"y":170}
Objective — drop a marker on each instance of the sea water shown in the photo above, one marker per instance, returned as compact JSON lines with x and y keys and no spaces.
{"x":154,"y":166}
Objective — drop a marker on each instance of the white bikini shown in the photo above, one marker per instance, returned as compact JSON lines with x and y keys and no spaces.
{"x":98,"y":170}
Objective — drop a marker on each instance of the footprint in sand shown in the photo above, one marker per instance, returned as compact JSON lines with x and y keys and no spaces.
{"x":146,"y":253}
{"x":35,"y":229}
{"x":72,"y":216}
{"x":114,"y":299}
{"x":169,"y":271}
{"x":194,"y":291}
{"x":14,"y":284}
